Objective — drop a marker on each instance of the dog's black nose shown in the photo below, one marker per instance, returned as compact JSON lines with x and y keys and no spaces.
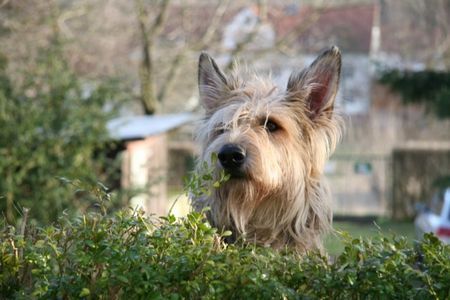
{"x":231,"y":156}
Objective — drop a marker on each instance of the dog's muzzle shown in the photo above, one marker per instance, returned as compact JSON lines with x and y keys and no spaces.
{"x":232,"y":158}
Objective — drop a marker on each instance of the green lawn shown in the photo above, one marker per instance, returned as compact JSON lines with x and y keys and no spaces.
{"x":334,"y":245}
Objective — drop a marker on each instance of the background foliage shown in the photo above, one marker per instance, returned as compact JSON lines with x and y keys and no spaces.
{"x":52,"y":125}
{"x":431,"y":88}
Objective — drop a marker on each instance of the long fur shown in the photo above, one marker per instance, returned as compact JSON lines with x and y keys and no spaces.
{"x":283,"y":200}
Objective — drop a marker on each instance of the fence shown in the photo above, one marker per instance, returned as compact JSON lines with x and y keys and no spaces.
{"x":417,"y":169}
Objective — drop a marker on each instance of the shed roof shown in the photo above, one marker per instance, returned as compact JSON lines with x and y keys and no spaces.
{"x":138,"y":127}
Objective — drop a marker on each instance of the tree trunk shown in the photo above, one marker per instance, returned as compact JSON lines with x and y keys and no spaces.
{"x":148,"y":95}
{"x":148,"y":98}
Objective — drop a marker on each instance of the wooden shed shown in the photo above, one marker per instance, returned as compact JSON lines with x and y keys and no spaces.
{"x":144,"y":160}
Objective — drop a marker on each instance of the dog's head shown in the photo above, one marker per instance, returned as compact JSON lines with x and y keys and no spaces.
{"x":259,"y":131}
{"x":273,"y":143}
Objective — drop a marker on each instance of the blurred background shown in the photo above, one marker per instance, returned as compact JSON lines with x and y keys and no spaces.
{"x":101,"y":95}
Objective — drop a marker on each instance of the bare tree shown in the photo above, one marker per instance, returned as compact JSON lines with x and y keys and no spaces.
{"x":148,"y":36}
{"x":421,"y":27}
{"x":150,"y":42}
{"x":152,"y":97}
{"x":151,"y":26}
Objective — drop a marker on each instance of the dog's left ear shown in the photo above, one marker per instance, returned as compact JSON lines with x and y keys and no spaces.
{"x":318,"y":84}
{"x":212,"y":83}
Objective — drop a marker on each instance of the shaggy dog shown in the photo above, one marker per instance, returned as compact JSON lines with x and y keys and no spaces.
{"x":273,"y":144}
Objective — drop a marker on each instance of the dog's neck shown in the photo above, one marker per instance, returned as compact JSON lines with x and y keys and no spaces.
{"x":290,"y":216}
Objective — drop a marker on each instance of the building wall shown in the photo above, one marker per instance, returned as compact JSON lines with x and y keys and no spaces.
{"x":359,"y":184}
{"x":144,"y":171}
{"x":371,"y":138}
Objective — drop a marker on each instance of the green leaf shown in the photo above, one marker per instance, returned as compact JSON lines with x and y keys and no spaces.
{"x":122,"y":278}
{"x":84,"y":292}
{"x":227,"y":233}
{"x":39,"y":244}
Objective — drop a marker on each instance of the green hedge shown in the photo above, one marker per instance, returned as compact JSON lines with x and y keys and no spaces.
{"x":127,"y":255}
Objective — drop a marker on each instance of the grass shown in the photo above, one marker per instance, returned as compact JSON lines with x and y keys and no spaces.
{"x":333,"y":242}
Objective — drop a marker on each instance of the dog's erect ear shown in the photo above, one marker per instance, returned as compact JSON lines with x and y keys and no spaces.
{"x":212,"y":83}
{"x":318,"y":83}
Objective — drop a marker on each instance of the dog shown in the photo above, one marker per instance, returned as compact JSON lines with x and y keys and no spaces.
{"x":273,"y":145}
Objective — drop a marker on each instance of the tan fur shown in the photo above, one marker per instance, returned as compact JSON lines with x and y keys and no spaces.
{"x":283,"y":200}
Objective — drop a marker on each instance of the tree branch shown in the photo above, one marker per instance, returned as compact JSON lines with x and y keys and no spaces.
{"x":215,"y":23}
{"x":146,"y":68}
{"x":262,"y":8}
{"x":160,"y":20}
{"x":170,"y":78}
{"x":300,"y":28}
{"x":180,"y":57}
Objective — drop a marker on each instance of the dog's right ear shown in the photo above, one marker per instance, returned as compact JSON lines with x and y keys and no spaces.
{"x":212,"y":83}
{"x":318,"y":84}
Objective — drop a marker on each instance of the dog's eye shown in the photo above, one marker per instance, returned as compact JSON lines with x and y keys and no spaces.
{"x":271,"y":126}
{"x":220,"y":129}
